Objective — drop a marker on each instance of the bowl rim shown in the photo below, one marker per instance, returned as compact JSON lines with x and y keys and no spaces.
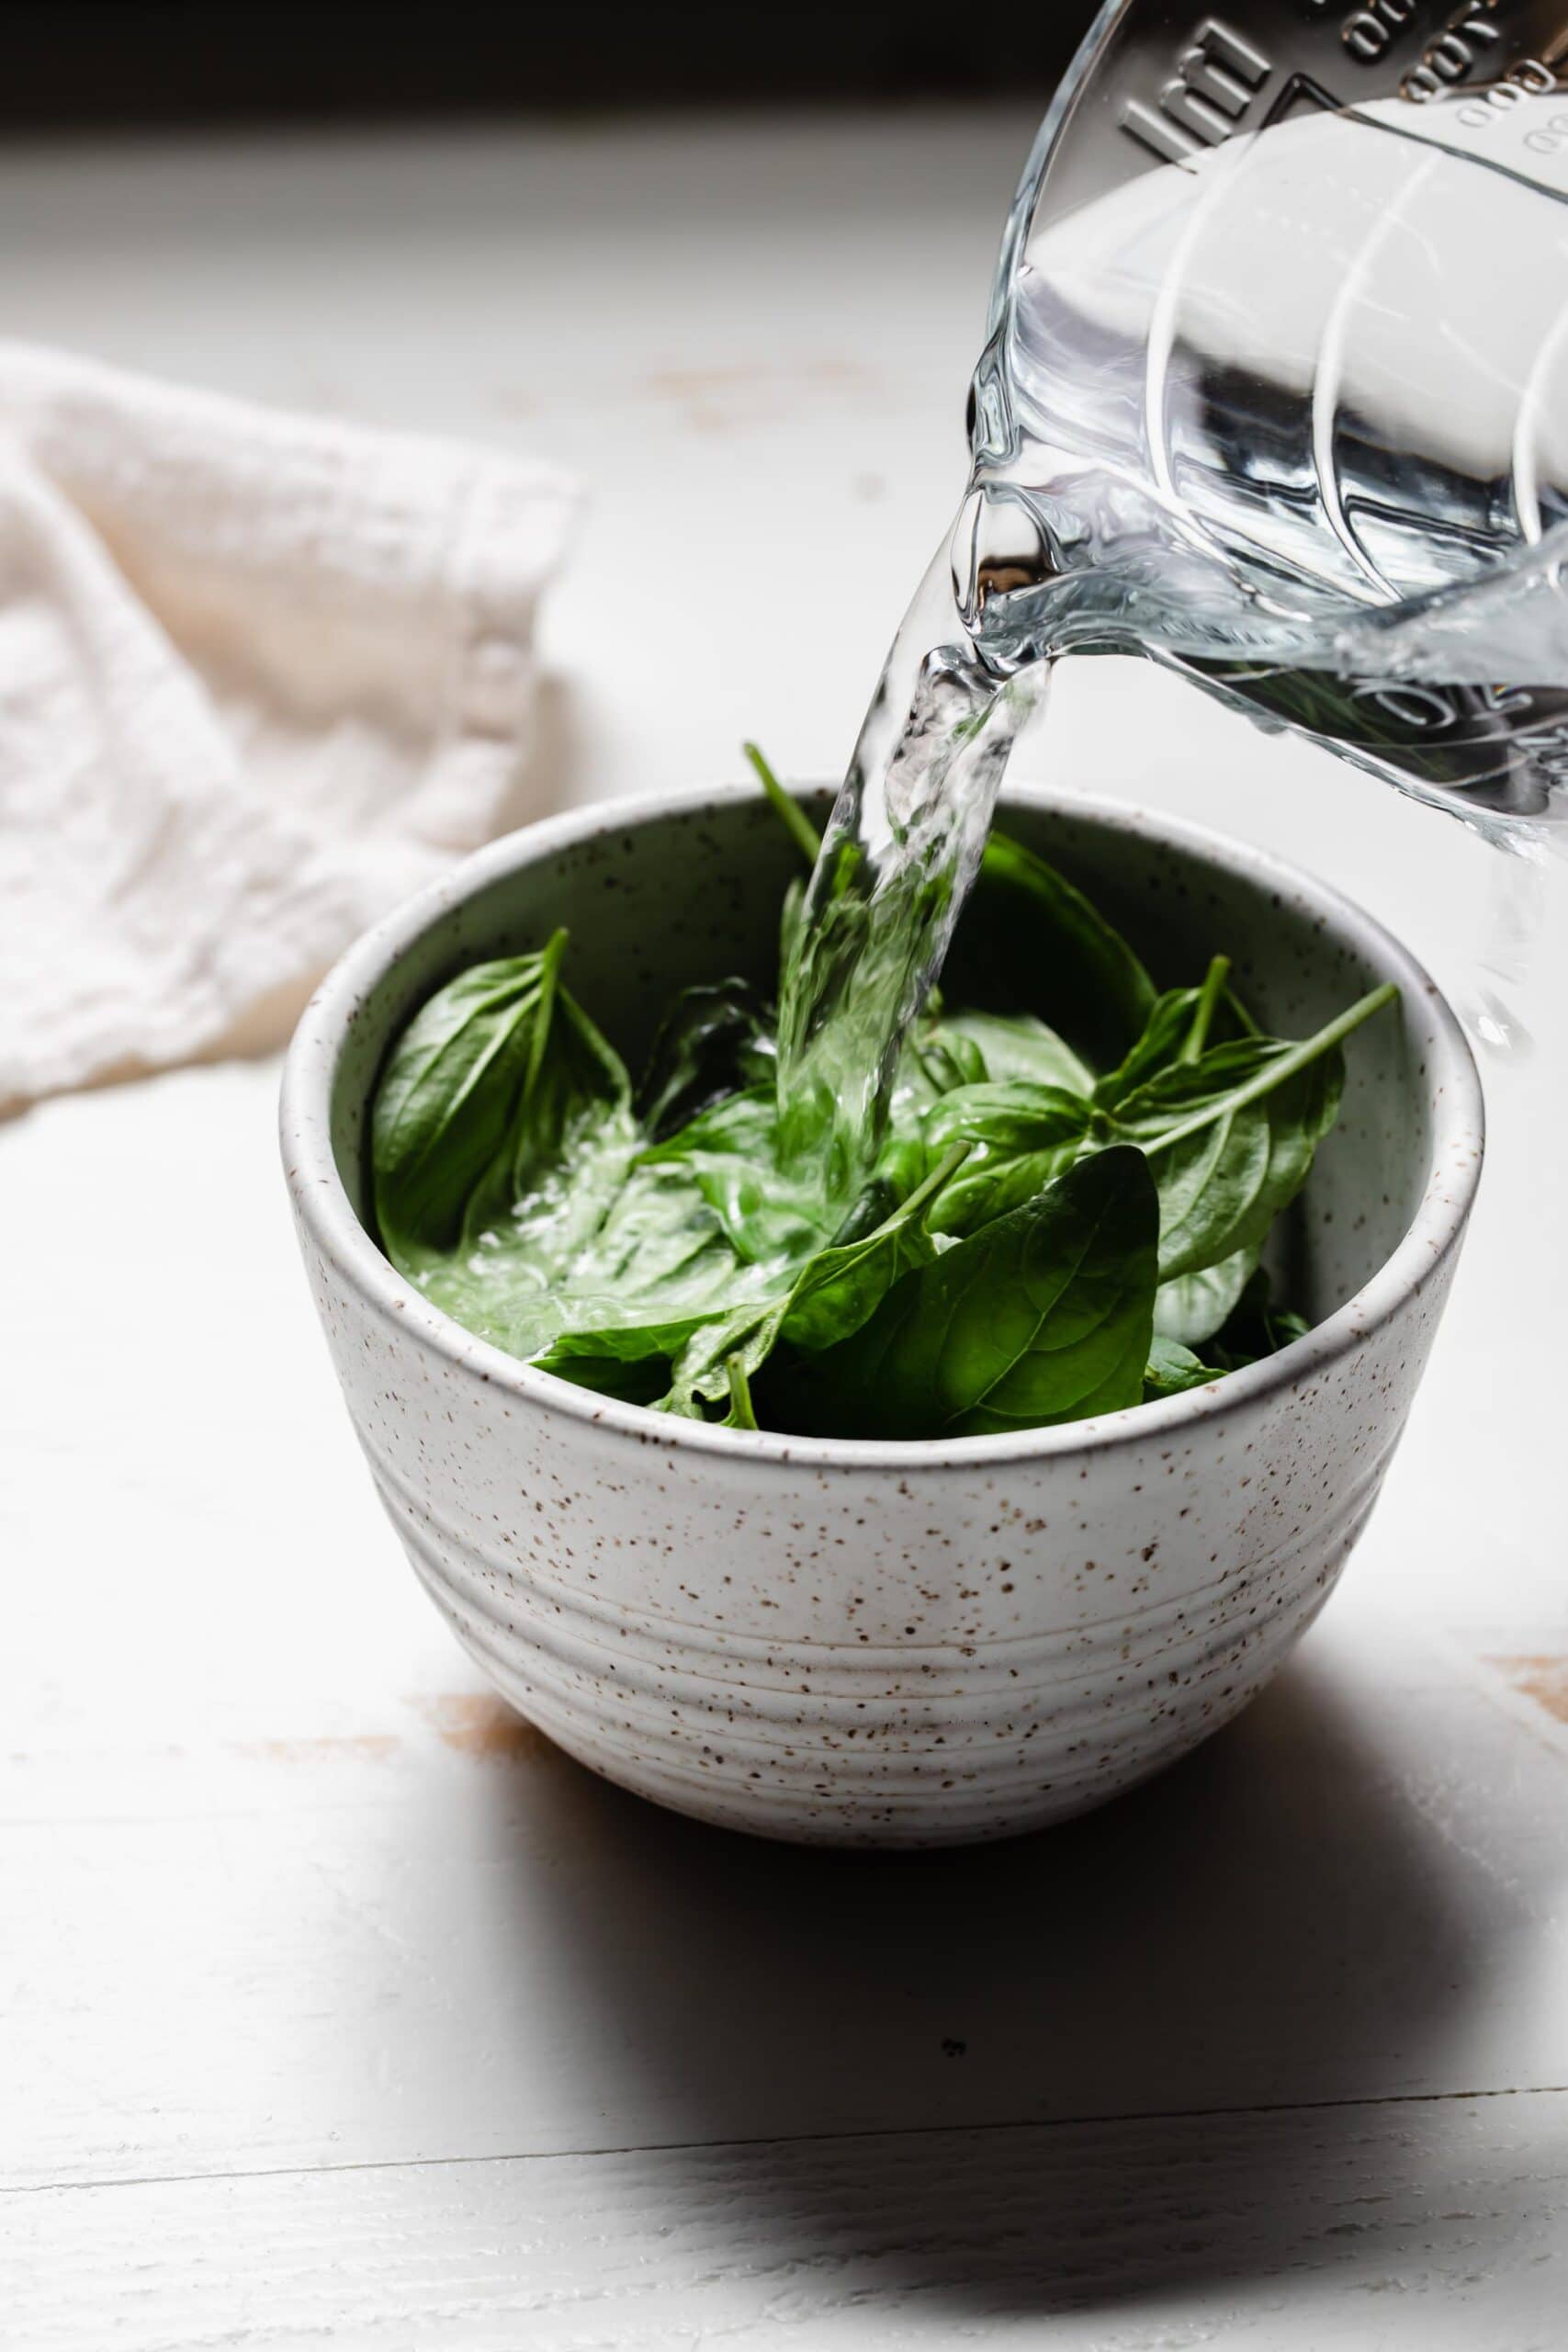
{"x":327,"y":1216}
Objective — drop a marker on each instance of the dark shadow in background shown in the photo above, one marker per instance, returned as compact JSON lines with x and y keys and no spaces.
{"x":101,"y":63}
{"x":1270,"y":1925}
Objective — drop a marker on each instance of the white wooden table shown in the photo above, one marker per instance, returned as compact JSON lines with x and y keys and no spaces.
{"x":337,"y":2007}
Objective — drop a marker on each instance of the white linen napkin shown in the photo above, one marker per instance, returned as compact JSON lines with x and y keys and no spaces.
{"x":260,"y":674}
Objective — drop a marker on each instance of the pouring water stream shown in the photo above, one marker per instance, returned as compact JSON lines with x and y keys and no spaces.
{"x":1276,"y":393}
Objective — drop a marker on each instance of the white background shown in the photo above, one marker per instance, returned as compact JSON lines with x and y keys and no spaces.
{"x":335,"y":2007}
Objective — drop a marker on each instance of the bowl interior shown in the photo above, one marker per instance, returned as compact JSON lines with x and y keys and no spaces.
{"x":673,"y":896}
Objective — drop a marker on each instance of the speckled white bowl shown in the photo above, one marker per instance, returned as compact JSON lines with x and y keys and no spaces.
{"x":873,"y":1644}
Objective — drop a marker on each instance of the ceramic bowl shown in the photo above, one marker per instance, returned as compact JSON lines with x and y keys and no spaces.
{"x":876,"y":1644}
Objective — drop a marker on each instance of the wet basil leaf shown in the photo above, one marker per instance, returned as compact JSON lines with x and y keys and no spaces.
{"x":842,"y":1286}
{"x":1044,"y":1316}
{"x":1017,"y":1044}
{"x":950,"y":1059}
{"x":680,"y":1367}
{"x":1020,"y":1136}
{"x":630,"y":1380}
{"x":878,"y":1197}
{"x":832,"y":1294}
{"x":478,"y":1098}
{"x":730,"y":1154}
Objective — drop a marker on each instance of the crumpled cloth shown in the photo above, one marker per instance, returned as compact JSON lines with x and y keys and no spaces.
{"x":260,"y":676}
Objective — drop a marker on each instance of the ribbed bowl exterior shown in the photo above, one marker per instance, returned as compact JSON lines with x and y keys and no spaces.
{"x":877,"y":1644}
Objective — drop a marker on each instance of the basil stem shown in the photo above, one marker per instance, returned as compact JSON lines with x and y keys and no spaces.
{"x":1214,"y":979}
{"x":1276,"y":1072}
{"x":795,"y":821}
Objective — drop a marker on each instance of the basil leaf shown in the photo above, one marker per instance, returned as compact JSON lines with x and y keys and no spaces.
{"x":832,"y":1295}
{"x":673,"y":1367}
{"x":1193,"y":1307}
{"x":1044,"y":1315}
{"x":842,"y":1286}
{"x":692,"y":1361}
{"x":1017,"y":1044}
{"x":678,"y":1356}
{"x":1233,"y":1133}
{"x":1156,"y":1049}
{"x":1031,"y":938}
{"x":1227,"y":1158}
{"x":655,"y":1364}
{"x":1178,"y":1030}
{"x":837,"y":1291}
{"x":741,"y":1414}
{"x":478,"y":1096}
{"x":875,"y":1202}
{"x":950,"y":1059}
{"x":1171,"y":1369}
{"x":600,"y":1244}
{"x":730,"y":1154}
{"x":1020,"y":1136}
{"x":573,"y":1117}
{"x":630,"y":1380}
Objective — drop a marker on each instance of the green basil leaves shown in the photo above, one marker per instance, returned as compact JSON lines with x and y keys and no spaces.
{"x":1070,"y":1214}
{"x":1044,"y":1315}
{"x":475,"y":1106}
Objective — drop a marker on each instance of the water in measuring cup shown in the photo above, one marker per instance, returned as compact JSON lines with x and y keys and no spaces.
{"x":1288,"y":414}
